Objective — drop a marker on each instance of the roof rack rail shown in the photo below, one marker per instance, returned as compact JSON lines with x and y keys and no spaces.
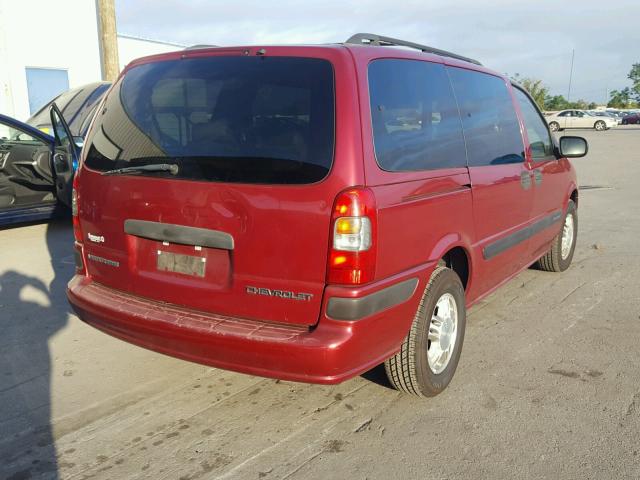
{"x":196,"y":47}
{"x":379,"y":40}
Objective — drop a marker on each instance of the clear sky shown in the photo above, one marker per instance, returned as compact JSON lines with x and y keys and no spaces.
{"x":533,"y":38}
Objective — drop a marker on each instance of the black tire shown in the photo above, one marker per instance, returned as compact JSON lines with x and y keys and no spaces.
{"x":600,"y":126}
{"x":552,"y":261}
{"x":554,"y":127}
{"x":409,"y":370}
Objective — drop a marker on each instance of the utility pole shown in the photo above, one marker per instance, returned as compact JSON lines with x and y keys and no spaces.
{"x":108,"y":39}
{"x":573,"y":53}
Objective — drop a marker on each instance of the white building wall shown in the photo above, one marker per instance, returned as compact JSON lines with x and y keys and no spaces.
{"x":61,"y":34}
{"x":130,"y":48}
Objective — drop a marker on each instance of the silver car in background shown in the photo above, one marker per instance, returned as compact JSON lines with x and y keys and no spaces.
{"x":607,"y":113}
{"x":579,"y":119}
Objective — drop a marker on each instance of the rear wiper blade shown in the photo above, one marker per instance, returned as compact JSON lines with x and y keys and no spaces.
{"x":154,"y":167}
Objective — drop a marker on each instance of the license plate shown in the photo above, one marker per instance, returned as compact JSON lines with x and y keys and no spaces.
{"x":185,"y":264}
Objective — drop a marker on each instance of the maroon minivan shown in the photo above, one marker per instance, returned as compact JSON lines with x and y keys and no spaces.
{"x":309,"y":212}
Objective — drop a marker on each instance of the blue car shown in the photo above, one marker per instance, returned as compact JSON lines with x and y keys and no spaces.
{"x":38,"y":157}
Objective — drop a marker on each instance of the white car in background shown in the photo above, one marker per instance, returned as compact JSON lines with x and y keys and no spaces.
{"x":579,"y":119}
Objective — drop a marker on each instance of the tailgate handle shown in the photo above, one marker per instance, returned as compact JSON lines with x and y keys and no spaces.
{"x":167,"y":232}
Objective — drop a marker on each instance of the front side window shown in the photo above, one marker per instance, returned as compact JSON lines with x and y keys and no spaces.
{"x":489,"y":120}
{"x":15,"y":136}
{"x":228,"y":119}
{"x":415,"y":120}
{"x":537,"y":131}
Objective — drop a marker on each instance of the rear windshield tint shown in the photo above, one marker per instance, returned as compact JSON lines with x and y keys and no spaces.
{"x":229,"y":119}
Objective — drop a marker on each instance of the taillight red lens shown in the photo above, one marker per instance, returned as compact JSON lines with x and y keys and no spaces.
{"x":77,"y":231}
{"x":352,"y":251}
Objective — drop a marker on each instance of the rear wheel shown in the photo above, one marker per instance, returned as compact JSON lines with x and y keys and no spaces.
{"x":554,"y":126}
{"x":427,"y":361}
{"x":600,"y":125}
{"x":559,"y":257}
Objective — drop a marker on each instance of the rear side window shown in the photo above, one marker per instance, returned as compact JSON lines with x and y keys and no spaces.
{"x":490,"y":124}
{"x":415,"y":120}
{"x":229,"y":119}
{"x":537,"y":131}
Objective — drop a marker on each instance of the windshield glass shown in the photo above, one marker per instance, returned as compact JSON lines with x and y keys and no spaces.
{"x":231,"y":119}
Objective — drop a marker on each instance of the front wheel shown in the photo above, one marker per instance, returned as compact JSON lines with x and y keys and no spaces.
{"x":559,"y":257}
{"x":554,"y":126}
{"x":429,"y":355}
{"x":600,"y":126}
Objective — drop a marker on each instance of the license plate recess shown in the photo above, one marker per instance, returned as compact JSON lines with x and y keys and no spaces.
{"x":179,"y":263}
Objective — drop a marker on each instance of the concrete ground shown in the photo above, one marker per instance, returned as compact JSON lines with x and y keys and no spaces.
{"x":548,"y":385}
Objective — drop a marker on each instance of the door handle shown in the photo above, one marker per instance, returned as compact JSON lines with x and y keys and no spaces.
{"x":537,"y":176}
{"x":525,"y":179}
{"x":60,"y":162}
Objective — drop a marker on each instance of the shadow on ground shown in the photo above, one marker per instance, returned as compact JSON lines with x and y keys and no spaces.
{"x":30,"y":313}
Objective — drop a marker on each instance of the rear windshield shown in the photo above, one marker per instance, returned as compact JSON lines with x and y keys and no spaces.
{"x":228,"y":119}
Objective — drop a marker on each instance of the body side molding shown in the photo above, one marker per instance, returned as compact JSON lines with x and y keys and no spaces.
{"x":499,"y":246}
{"x":341,"y":308}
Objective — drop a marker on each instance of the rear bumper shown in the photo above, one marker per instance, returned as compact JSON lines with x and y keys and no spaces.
{"x":331,"y":352}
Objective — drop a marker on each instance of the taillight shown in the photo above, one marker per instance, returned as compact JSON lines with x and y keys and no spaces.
{"x":77,"y":231}
{"x":352,"y":252}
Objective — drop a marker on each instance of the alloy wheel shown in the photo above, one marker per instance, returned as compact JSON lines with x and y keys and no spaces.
{"x":567,"y":236}
{"x":443,"y":332}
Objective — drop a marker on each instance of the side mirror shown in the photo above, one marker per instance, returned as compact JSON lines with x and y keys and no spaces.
{"x":573,"y":147}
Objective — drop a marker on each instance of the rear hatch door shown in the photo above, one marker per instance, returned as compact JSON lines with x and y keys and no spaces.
{"x":235,"y":218}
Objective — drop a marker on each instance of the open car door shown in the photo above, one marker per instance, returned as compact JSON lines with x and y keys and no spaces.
{"x":65,"y":157}
{"x":26,"y":179}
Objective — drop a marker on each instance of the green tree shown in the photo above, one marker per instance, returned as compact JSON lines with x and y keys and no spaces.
{"x":556,"y":102}
{"x":579,"y":105}
{"x":620,"y":98}
{"x":634,"y":76}
{"x":536,"y":88}
{"x":540,"y":93}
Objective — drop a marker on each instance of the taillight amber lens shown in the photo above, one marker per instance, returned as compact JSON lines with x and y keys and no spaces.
{"x":352,"y":252}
